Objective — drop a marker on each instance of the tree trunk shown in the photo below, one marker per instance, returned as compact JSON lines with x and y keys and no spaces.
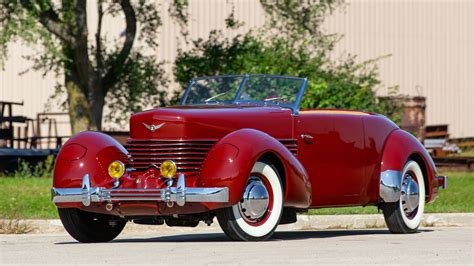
{"x":97,"y":105}
{"x":84,"y":114}
{"x":84,"y":96}
{"x":79,"y":114}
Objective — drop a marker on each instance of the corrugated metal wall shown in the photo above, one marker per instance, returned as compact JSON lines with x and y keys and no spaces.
{"x":431,"y":45}
{"x":31,"y":88}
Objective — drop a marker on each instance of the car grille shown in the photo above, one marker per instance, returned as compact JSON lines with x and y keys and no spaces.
{"x":188,"y":155}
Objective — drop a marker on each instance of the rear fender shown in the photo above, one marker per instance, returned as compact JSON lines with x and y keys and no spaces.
{"x":230,"y":162}
{"x":399,"y":148}
{"x":87,"y":153}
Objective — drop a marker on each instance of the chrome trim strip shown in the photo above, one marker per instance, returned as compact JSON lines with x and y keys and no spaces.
{"x":390,"y":186}
{"x":179,"y":194}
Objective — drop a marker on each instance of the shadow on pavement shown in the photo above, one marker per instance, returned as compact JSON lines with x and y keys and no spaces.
{"x":277,"y":236}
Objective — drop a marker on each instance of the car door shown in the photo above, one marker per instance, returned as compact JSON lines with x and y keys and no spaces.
{"x":331,"y":148}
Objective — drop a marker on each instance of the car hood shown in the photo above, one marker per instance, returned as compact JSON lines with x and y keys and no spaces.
{"x":209,"y":122}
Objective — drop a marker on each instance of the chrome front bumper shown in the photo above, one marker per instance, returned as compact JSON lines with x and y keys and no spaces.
{"x":179,"y":194}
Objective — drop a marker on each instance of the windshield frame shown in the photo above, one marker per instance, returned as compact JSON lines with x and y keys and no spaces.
{"x":293,"y":106}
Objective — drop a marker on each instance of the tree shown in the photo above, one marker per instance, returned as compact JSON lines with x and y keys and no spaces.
{"x":93,"y":71}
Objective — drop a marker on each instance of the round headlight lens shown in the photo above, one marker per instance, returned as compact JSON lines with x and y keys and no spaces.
{"x":116,"y":169}
{"x":168,"y":169}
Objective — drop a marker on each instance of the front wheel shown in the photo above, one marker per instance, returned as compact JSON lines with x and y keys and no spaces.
{"x":404,"y":216}
{"x":258,"y":213}
{"x":88,"y":227}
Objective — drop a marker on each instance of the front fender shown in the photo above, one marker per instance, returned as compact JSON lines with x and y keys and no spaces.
{"x":399,"y":147}
{"x":230,"y":161}
{"x":87,"y":153}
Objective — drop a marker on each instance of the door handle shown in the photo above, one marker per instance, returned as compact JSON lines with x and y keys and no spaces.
{"x":307,"y":138}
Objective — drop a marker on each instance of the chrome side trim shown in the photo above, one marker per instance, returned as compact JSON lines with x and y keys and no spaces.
{"x":390,"y":186}
{"x":179,"y":194}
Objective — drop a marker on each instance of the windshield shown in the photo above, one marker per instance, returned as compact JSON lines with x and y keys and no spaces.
{"x":245,"y":89}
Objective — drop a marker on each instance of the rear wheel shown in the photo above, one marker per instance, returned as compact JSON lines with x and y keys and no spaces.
{"x":259,"y":211}
{"x":88,"y":227}
{"x":404,"y":216}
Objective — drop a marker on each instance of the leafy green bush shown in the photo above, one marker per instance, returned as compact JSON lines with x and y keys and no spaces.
{"x":345,"y":84}
{"x":43,"y":169}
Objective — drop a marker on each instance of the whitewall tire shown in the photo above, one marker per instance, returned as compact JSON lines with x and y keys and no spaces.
{"x":259,"y":211}
{"x":404,"y":216}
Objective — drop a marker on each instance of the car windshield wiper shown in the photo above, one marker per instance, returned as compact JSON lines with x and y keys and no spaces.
{"x":215,"y":96}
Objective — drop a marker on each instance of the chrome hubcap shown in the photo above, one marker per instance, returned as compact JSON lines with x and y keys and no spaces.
{"x":410,"y":195}
{"x":254,"y":203}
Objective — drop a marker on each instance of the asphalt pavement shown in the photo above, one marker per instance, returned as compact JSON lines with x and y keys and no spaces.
{"x":186,"y":246}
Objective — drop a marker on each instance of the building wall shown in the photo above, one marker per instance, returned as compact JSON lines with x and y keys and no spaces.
{"x":32,"y":88}
{"x":430,"y":43}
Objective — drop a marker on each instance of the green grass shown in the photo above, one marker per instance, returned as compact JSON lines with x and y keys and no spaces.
{"x":30,"y":198}
{"x":26,"y":198}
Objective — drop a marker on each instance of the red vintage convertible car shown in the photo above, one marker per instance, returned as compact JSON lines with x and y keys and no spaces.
{"x":238,"y":148}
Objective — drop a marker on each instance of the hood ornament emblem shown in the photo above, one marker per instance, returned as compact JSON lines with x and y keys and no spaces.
{"x":152,"y":127}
